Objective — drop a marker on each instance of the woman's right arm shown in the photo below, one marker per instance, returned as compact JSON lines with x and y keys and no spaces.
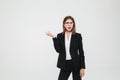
{"x":56,"y":42}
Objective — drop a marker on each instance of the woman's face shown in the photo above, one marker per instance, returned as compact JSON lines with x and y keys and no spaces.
{"x":68,"y":25}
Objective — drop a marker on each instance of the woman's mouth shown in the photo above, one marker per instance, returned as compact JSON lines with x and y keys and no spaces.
{"x":69,"y":27}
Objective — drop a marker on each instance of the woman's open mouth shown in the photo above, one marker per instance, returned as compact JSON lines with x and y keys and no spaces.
{"x":69,"y":27}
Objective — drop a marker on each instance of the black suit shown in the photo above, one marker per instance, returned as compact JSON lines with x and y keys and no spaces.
{"x":76,"y":51}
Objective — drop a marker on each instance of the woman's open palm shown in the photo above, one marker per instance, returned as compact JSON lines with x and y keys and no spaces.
{"x":50,"y":34}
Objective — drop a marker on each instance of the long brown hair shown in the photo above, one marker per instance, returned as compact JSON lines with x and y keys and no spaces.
{"x":74,"y":27}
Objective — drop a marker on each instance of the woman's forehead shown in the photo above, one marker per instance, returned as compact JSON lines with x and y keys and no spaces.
{"x":68,"y":20}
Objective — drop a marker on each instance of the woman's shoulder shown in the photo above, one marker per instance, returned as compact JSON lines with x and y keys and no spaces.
{"x":60,"y":34}
{"x":78,"y":34}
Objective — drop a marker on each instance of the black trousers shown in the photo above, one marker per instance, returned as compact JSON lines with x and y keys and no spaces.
{"x":64,"y":74}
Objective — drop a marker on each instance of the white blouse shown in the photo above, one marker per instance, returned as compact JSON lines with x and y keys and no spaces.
{"x":67,"y":46}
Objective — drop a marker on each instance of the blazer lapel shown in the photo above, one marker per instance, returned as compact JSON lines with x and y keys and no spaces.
{"x":63,"y":40}
{"x":71,"y":41}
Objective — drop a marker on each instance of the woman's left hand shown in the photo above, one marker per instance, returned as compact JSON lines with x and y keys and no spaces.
{"x":82,"y":72}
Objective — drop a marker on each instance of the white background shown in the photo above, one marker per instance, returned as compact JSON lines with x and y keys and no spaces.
{"x":26,"y":53}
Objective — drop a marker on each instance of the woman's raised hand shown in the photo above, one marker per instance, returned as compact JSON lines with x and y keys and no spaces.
{"x":50,"y":34}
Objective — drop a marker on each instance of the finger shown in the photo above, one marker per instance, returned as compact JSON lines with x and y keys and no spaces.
{"x":46,"y":33}
{"x":82,"y":74}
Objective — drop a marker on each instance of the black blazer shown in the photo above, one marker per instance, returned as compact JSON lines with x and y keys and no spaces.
{"x":76,"y":50}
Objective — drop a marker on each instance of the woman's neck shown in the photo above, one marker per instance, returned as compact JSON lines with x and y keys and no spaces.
{"x":67,"y":32}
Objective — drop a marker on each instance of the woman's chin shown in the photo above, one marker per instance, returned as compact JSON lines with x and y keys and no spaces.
{"x":69,"y":30}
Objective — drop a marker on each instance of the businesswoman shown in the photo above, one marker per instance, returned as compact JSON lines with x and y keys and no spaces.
{"x":68,"y":44}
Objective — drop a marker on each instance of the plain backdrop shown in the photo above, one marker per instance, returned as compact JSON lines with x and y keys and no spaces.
{"x":26,"y":53}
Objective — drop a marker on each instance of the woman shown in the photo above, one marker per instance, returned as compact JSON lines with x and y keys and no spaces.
{"x":71,"y":54}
